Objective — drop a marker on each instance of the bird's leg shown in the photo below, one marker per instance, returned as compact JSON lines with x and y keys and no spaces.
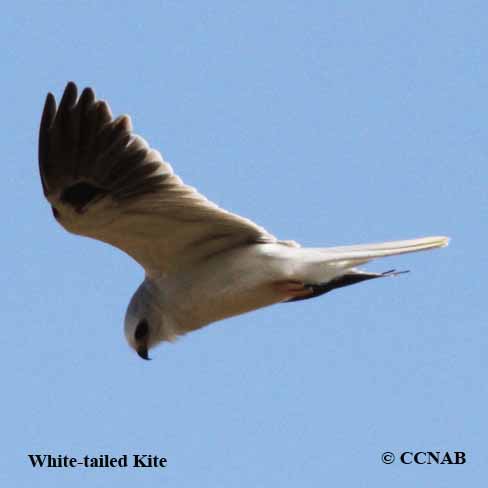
{"x":350,"y":278}
{"x":293,"y":289}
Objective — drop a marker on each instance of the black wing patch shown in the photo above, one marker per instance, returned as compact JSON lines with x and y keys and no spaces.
{"x":81,"y":194}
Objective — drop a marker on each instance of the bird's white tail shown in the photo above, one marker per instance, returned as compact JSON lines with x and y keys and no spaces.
{"x":321,"y":265}
{"x":362,"y":253}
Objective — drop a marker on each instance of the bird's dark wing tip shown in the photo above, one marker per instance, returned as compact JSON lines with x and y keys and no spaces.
{"x":69,"y":97}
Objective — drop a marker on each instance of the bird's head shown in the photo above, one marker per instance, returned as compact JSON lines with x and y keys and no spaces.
{"x":145,"y":322}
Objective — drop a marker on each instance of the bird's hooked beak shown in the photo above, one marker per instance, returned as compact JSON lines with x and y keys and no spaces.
{"x":142,"y":351}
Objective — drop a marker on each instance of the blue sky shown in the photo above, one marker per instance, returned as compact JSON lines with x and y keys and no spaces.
{"x":328,"y":123}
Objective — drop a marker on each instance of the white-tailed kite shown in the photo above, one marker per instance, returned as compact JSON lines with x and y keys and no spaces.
{"x":202,"y":263}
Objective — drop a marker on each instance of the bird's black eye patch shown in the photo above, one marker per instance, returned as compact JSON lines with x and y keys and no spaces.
{"x":79,"y":194}
{"x":142,"y":330}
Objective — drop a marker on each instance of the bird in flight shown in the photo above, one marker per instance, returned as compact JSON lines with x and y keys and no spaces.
{"x":202,"y":264}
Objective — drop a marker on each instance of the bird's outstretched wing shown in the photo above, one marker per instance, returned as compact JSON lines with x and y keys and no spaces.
{"x":105,"y":182}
